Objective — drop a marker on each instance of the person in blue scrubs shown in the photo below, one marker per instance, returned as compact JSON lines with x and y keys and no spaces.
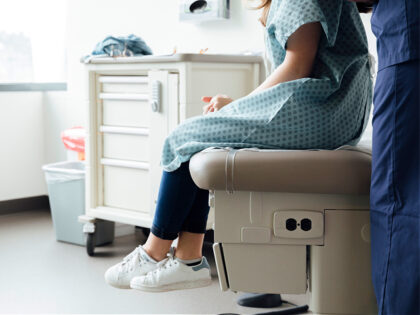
{"x":395,"y":187}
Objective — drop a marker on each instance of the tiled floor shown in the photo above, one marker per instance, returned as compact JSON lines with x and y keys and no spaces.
{"x":41,"y":275}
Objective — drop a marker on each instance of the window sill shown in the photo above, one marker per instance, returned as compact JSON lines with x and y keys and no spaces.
{"x":33,"y":87}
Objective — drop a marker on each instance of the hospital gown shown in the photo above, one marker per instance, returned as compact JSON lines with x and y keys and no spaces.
{"x":324,"y":111}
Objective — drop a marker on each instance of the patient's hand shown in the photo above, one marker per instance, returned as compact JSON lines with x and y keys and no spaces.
{"x":215,"y":103}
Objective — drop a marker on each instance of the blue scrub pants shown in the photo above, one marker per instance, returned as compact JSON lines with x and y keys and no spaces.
{"x":395,"y":190}
{"x":181,"y":205}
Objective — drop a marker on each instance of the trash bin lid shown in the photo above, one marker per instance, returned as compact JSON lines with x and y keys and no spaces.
{"x":67,"y":167}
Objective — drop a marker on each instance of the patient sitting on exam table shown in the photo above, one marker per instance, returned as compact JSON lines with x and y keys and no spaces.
{"x":318,"y":95}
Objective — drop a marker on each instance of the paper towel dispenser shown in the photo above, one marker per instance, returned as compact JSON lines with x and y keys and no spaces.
{"x":197,"y":11}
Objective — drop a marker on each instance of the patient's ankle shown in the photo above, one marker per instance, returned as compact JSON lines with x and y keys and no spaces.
{"x":156,"y":247}
{"x":156,"y":255}
{"x":187,"y":255}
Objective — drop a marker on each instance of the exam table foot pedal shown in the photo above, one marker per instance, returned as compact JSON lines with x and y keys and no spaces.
{"x":260,"y":300}
{"x":269,"y":301}
{"x":288,"y":311}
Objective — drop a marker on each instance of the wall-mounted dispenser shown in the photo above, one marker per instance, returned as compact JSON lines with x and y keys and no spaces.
{"x":196,"y":11}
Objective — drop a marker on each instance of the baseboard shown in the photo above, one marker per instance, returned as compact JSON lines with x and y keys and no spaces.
{"x":24,"y":204}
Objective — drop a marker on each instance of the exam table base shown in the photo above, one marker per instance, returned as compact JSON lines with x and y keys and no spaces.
{"x":335,"y":268}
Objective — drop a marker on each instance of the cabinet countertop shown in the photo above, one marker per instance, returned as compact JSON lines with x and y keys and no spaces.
{"x":227,"y":58}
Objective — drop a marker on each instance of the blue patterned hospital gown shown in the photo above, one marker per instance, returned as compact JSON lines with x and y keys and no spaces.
{"x":325,"y":111}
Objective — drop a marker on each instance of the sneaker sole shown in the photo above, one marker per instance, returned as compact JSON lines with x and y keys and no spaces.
{"x":118,"y":286}
{"x":174,"y":286}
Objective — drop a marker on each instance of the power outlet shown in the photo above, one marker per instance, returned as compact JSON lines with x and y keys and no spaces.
{"x":301,"y":224}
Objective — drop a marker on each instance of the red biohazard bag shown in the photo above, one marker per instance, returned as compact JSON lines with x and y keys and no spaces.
{"x":74,"y":140}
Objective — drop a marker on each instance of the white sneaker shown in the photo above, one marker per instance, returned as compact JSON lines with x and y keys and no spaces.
{"x":135,"y":264}
{"x":171,"y":274}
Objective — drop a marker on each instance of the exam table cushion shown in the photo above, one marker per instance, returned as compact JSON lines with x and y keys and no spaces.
{"x":320,"y":172}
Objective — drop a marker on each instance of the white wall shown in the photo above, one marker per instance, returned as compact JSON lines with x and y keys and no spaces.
{"x":57,"y":117}
{"x":22,"y":145}
{"x":30,"y":126}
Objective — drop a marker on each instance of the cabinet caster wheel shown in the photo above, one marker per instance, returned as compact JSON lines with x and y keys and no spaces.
{"x":90,"y":244}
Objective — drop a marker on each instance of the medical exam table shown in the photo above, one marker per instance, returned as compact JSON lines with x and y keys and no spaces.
{"x":291,"y":222}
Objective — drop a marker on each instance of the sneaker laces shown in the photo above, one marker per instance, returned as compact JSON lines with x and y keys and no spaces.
{"x":169,"y":261}
{"x":129,"y":262}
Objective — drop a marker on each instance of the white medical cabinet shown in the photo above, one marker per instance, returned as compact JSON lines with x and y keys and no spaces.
{"x":133,"y":104}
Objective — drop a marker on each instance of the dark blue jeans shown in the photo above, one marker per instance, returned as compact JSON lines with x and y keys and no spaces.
{"x":181,"y":205}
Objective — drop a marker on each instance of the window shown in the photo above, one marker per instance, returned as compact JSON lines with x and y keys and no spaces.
{"x":32,"y":41}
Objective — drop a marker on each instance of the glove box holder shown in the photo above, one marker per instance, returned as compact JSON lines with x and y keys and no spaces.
{"x":261,"y":268}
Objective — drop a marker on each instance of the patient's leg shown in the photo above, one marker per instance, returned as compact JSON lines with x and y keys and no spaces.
{"x":181,"y":206}
{"x":189,"y":246}
{"x":156,"y":247}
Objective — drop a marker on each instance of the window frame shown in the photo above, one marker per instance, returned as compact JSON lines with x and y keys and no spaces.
{"x":33,"y":87}
{"x":55,"y":81}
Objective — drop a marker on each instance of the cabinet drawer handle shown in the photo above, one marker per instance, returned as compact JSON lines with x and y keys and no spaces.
{"x":123,"y":96}
{"x":127,"y":164}
{"x":124,"y":79}
{"x":125,"y":130}
{"x":156,"y":96}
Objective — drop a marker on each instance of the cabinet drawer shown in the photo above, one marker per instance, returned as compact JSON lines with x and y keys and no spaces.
{"x":129,"y":113}
{"x":124,"y":84}
{"x":126,"y":147}
{"x":126,"y":188}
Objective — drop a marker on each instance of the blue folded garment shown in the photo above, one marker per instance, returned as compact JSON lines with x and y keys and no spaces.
{"x":131,"y":45}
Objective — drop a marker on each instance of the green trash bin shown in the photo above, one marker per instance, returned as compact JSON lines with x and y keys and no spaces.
{"x":66,"y":192}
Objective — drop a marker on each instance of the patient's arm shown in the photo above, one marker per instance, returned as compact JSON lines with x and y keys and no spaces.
{"x":301,"y":50}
